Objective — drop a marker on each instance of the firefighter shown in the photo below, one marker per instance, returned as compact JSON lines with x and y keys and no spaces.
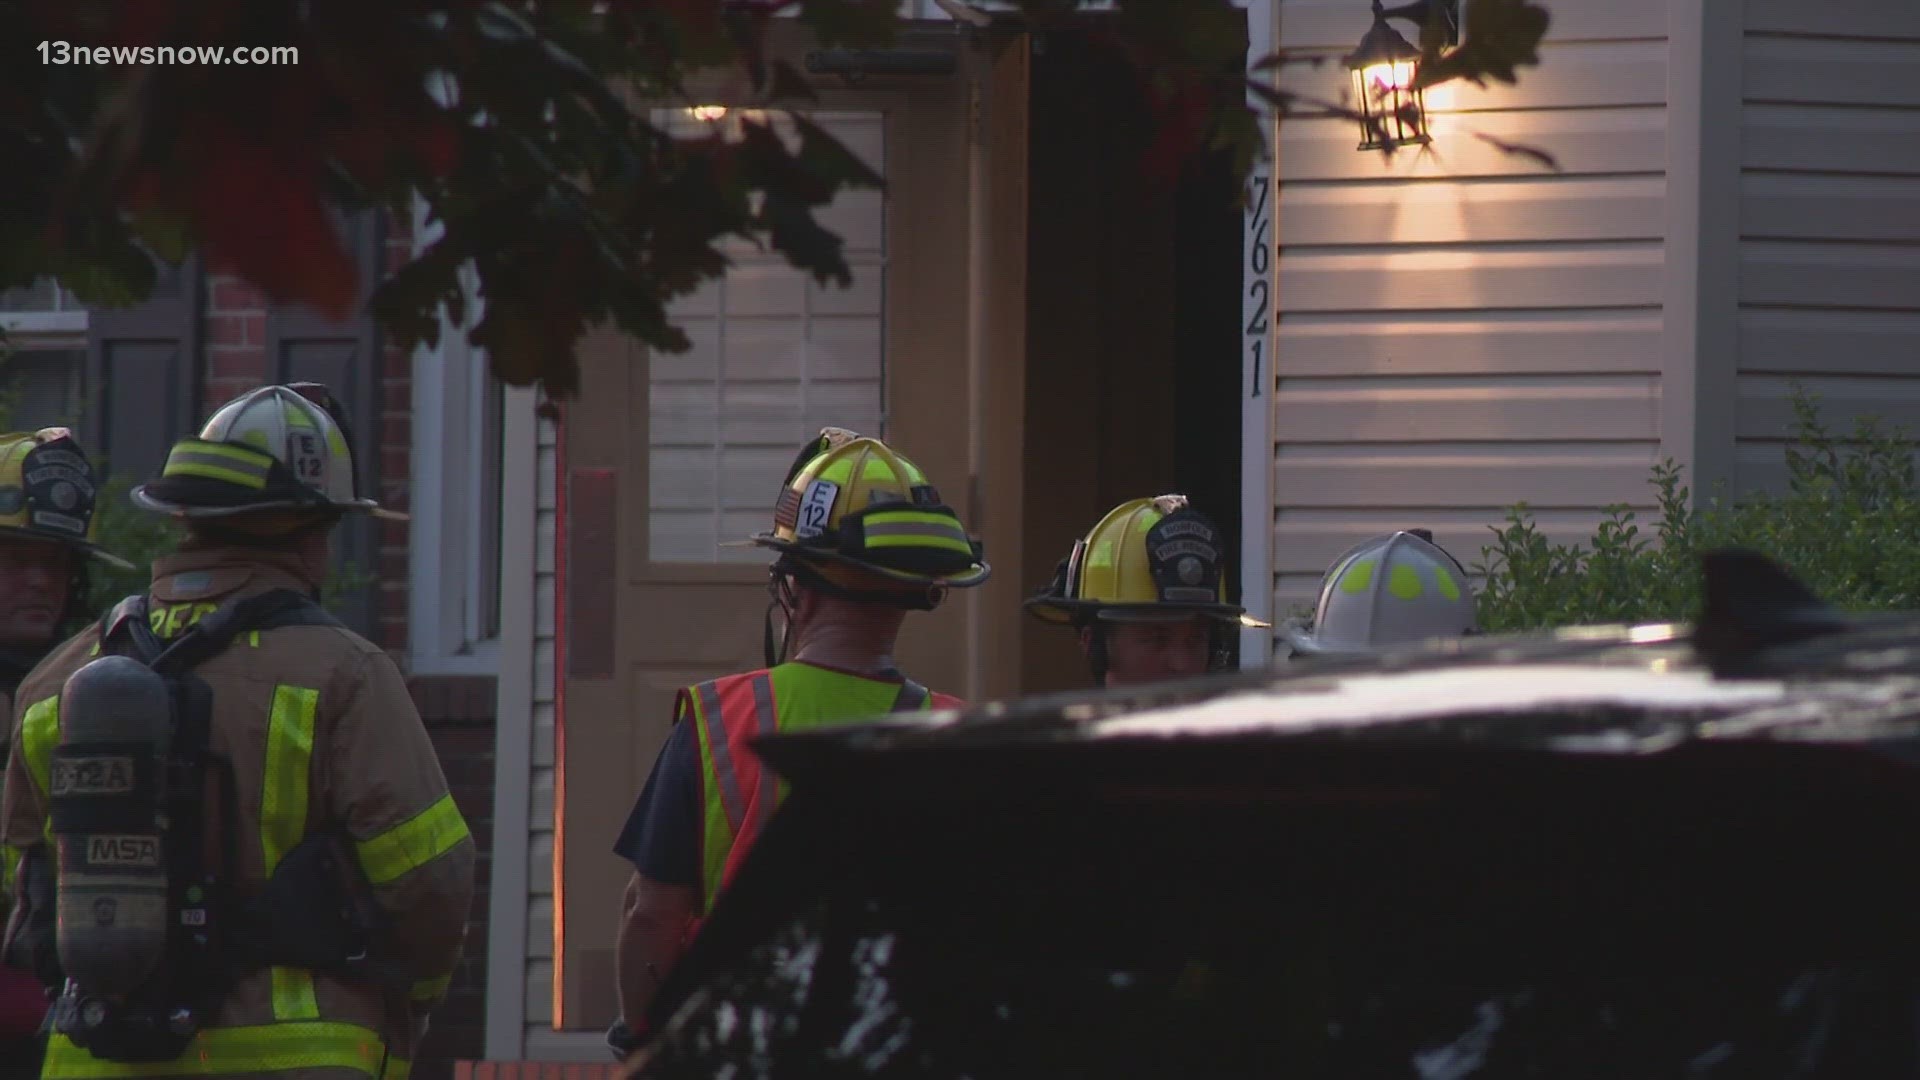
{"x":862,"y":539}
{"x":1388,"y":590}
{"x":47,"y":523}
{"x":324,"y":752}
{"x":1147,"y":590}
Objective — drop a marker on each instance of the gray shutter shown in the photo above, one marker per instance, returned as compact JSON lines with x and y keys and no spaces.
{"x":305,"y":346}
{"x":143,"y":367}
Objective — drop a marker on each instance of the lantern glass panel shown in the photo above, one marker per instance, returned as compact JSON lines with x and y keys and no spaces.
{"x":1392,"y":105}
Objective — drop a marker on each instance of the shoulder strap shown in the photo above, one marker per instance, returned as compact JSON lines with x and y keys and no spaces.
{"x":912,"y":697}
{"x":262,"y":611}
{"x":124,"y":631}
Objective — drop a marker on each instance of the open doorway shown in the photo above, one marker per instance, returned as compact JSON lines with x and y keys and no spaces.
{"x":1133,"y":310}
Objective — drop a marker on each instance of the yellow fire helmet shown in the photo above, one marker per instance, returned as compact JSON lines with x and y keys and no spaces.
{"x":857,"y":503}
{"x":47,"y":491}
{"x":277,"y":448}
{"x":1148,"y":559}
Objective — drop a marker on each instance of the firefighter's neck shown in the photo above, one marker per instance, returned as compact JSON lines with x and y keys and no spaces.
{"x":844,"y":634}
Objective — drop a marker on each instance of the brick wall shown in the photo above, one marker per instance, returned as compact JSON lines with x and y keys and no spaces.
{"x":236,"y":337}
{"x":394,"y":486}
{"x":459,"y":713}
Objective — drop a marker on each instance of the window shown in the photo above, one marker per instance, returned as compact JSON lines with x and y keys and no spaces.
{"x":775,"y":358}
{"x":458,"y":407}
{"x":43,"y":376}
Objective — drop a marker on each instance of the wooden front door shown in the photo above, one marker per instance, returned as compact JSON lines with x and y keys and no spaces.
{"x":666,"y":458}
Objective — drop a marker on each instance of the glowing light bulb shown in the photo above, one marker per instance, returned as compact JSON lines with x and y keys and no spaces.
{"x":1382,"y":79}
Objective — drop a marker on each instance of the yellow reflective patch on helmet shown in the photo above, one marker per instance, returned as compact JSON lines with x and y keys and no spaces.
{"x":877,"y":469}
{"x":1144,"y":522}
{"x":257,"y":438}
{"x":1449,"y":588}
{"x":1100,"y":554}
{"x":840,"y":471}
{"x":1358,"y":578}
{"x":295,"y":416}
{"x":1404,"y":582}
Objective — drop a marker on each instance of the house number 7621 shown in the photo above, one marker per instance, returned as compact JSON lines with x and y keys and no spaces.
{"x":1259,"y":289}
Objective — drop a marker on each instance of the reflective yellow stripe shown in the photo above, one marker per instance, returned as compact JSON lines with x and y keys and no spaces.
{"x":413,"y":843}
{"x":283,"y":821}
{"x":912,"y":517}
{"x":213,"y":472}
{"x":293,"y":995}
{"x":283,"y":798}
{"x":307,"y":1044}
{"x":12,"y":856}
{"x":431,"y":989}
{"x":39,"y":730}
{"x":253,"y":461}
{"x":945,"y":543}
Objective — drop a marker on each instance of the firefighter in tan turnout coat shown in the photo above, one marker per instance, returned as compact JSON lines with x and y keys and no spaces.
{"x":323,"y":741}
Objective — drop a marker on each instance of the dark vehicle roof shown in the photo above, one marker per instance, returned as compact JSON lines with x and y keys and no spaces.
{"x":1630,"y":825}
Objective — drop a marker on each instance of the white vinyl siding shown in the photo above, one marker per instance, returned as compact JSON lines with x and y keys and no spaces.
{"x":1829,"y":220}
{"x":1459,"y":328}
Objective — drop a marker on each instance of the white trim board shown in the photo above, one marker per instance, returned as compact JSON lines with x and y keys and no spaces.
{"x":513,"y":732}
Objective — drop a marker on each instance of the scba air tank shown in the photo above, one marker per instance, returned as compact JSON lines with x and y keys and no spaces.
{"x":105,"y":790}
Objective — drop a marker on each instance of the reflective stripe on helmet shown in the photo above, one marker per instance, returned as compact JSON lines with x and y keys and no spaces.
{"x":233,"y":464}
{"x":310,"y":1044}
{"x":914,"y":528}
{"x":413,"y":843}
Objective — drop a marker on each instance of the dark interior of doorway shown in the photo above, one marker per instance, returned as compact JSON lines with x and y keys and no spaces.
{"x":1133,"y":364}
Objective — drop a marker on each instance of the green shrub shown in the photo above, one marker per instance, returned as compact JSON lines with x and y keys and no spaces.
{"x":1848,"y":525}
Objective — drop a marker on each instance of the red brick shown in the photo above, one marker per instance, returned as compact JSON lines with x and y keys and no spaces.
{"x":221,"y":391}
{"x":396,"y":430}
{"x":244,"y":333}
{"x":234,"y":295}
{"x":243,"y":364}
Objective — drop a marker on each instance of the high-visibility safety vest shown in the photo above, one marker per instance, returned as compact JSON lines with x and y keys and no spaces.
{"x":738,"y":796}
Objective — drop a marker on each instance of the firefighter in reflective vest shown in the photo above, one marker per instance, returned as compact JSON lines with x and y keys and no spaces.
{"x":322,"y":737}
{"x":1394,"y":589}
{"x":47,"y":492}
{"x":1147,"y":590}
{"x":863,"y":538}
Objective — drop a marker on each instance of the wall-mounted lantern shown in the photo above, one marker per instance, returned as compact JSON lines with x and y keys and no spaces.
{"x":1386,"y":70}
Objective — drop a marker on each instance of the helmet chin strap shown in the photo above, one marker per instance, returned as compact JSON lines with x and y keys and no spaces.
{"x":1097,"y":652}
{"x":786,"y":570}
{"x":780,"y":588}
